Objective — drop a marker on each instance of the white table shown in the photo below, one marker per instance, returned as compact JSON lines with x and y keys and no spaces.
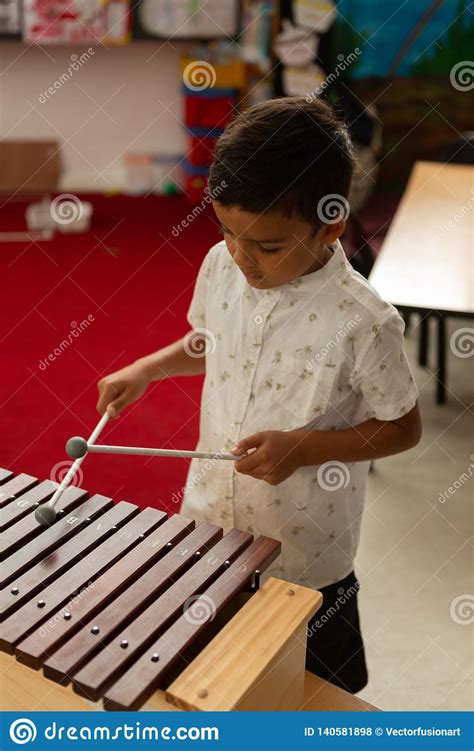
{"x":426,"y":262}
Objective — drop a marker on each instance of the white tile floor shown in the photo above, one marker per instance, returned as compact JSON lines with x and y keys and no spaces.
{"x":416,"y":553}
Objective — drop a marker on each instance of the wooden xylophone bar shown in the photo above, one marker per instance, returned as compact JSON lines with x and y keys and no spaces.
{"x":115,"y":601}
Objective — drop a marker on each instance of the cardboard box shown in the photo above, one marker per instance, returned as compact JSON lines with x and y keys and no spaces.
{"x":29,"y":166}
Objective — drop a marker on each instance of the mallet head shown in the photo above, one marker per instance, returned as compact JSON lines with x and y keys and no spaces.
{"x":76,"y":447}
{"x":45,"y":515}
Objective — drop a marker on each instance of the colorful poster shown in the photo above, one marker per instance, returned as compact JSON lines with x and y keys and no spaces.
{"x":426,"y":37}
{"x":75,"y":21}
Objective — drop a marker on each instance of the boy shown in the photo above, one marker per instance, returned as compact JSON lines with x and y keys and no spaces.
{"x":306,"y":377}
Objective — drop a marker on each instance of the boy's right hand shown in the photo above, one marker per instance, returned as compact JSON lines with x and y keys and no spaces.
{"x":123,"y":387}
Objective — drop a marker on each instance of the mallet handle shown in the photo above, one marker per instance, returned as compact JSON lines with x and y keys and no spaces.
{"x":101,"y":449}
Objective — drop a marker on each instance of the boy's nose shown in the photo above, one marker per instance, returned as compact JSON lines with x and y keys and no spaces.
{"x":243,"y":259}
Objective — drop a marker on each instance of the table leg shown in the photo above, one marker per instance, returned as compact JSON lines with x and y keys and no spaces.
{"x":423,"y":344}
{"x":441,"y":384}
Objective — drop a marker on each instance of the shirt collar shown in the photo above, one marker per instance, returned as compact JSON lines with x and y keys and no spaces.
{"x":317,"y":279}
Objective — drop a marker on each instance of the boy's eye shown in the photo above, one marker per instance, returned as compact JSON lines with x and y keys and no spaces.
{"x":270,"y":250}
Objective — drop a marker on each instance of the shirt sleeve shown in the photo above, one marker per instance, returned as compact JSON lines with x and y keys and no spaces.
{"x":196,"y":315}
{"x":382,"y":374}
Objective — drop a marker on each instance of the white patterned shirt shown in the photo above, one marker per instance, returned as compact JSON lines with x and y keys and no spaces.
{"x":321,"y":352}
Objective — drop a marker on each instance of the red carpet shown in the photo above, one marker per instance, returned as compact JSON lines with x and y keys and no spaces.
{"x":136,"y":287}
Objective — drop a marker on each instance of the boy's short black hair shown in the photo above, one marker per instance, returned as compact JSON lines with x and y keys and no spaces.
{"x":285,"y":155}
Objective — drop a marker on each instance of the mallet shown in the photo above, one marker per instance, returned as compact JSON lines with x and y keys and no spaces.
{"x":77,"y":448}
{"x":46,"y":513}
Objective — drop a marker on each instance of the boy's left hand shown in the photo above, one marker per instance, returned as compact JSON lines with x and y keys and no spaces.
{"x":272,"y":455}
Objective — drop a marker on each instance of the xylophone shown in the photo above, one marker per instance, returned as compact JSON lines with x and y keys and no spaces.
{"x":124,"y":605}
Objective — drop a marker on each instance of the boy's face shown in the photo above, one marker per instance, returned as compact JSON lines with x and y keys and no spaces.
{"x":271,"y":249}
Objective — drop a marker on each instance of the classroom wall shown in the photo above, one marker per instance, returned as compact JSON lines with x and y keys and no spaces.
{"x":134,"y":85}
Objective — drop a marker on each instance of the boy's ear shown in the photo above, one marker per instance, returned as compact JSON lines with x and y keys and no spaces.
{"x":332,"y":232}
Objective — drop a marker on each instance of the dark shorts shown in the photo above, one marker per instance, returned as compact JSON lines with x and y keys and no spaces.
{"x":335,"y":650}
